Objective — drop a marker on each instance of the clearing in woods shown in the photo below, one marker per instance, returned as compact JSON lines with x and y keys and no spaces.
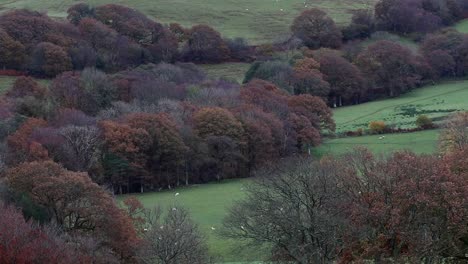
{"x":258,"y":21}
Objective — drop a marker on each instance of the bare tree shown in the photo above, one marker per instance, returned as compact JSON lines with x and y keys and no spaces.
{"x":82,"y":144}
{"x":293,"y":207}
{"x":172,"y":238}
{"x":455,"y":134}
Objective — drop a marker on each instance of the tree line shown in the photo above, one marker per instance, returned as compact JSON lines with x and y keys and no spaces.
{"x":157,"y":126}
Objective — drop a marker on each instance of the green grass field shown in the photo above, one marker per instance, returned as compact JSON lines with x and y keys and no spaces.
{"x":418,"y":142}
{"x":435,"y":101}
{"x":5,"y":83}
{"x":258,"y":21}
{"x":231,"y":71}
{"x":462,"y":26}
{"x":207,"y":204}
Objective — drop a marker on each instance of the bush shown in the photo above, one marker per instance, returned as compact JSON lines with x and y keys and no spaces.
{"x":377,"y":127}
{"x":423,"y":121}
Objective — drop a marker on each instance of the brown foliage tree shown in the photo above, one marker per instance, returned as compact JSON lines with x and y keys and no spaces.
{"x":215,"y":121}
{"x":205,"y":45}
{"x":21,"y":148}
{"x":12,"y":52}
{"x":76,"y":203}
{"x":316,"y":29}
{"x":49,"y":60}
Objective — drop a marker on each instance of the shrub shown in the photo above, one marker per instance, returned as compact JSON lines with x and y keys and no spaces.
{"x":377,"y":127}
{"x":423,"y":121}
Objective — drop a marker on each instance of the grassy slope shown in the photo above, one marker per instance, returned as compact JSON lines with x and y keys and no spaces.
{"x":257,"y":20}
{"x":419,"y":142}
{"x":435,"y":101}
{"x":207,"y":204}
{"x":462,"y":26}
{"x":233,"y":71}
{"x":5,"y":83}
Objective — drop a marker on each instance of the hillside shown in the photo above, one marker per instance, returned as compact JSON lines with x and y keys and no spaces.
{"x":259,"y":21}
{"x":435,"y":101}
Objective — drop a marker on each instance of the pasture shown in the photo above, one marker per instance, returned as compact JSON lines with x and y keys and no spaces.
{"x":258,"y":21}
{"x":423,"y":142}
{"x":230,"y":71}
{"x":207,"y":204}
{"x":5,"y":83}
{"x":462,"y":26}
{"x":435,"y":101}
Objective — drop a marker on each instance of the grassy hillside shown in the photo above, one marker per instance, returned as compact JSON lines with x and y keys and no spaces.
{"x":208,"y":204}
{"x":232,"y":71}
{"x":419,"y":142}
{"x":5,"y":83}
{"x":436,"y":101}
{"x":257,"y":20}
{"x":462,"y":26}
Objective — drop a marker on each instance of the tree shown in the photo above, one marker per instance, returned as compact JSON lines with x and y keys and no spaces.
{"x":362,"y":25}
{"x":404,"y":208}
{"x":49,"y":60}
{"x":267,"y":96}
{"x":346,"y":81}
{"x":23,"y":241}
{"x":291,"y":205}
{"x":168,"y":149}
{"x":204,"y":44}
{"x":277,"y":72}
{"x":21,"y":148}
{"x":455,"y":135}
{"x":316,"y":29}
{"x":26,"y":86}
{"x":76,"y":203}
{"x":12,"y":52}
{"x":406,"y":16}
{"x":125,"y":152}
{"x":307,"y":79}
{"x":79,"y":11}
{"x":390,"y":67}
{"x":82,"y":147}
{"x":215,"y":121}
{"x":314,"y":109}
{"x":173,"y":238}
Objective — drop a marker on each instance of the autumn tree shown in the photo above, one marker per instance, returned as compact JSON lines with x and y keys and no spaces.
{"x":205,"y":44}
{"x":345,"y":79}
{"x":410,"y":208}
{"x":49,"y":60}
{"x":314,"y":109}
{"x":23,"y":241}
{"x":224,"y":135}
{"x":21,"y":148}
{"x":26,"y":86}
{"x":307,"y":78}
{"x":125,"y":153}
{"x":76,"y":204}
{"x":389,"y":67}
{"x":316,"y":29}
{"x":79,"y":11}
{"x":12,"y":52}
{"x":362,"y":25}
{"x":168,"y":149}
